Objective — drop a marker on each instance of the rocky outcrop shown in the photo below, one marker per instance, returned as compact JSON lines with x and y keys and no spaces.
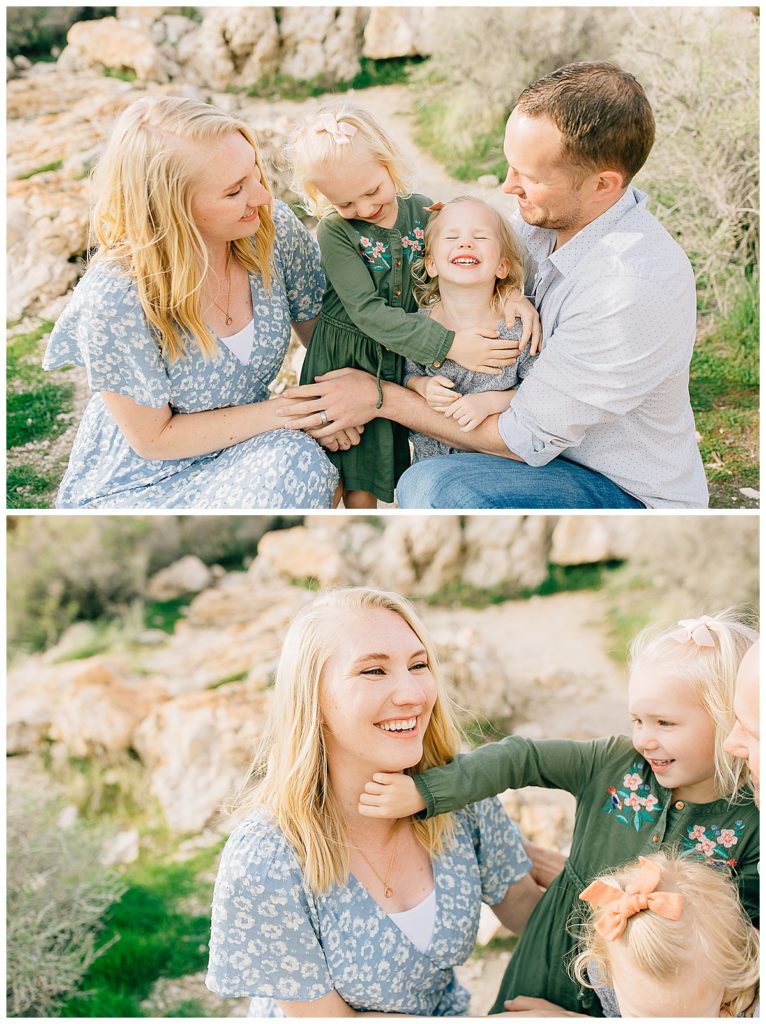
{"x":189,"y":575}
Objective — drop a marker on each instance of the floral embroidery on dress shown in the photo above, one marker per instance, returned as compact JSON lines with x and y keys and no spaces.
{"x":413,"y":242}
{"x":714,"y":843}
{"x":374,"y":253}
{"x":632,"y":803}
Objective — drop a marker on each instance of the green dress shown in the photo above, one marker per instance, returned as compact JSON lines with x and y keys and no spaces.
{"x":367,"y":321}
{"x":621,"y":812}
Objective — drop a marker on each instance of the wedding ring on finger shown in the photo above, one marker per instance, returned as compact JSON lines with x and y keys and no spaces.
{"x":323,"y":417}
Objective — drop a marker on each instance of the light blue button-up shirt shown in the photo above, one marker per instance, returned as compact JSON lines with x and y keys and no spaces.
{"x":611,"y":386}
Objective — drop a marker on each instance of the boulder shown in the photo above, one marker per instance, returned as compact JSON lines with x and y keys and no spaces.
{"x":578,"y":540}
{"x":419,"y":555}
{"x":197,"y":749}
{"x":509,"y":551}
{"x":121,"y":849}
{"x":232,"y":46}
{"x":321,"y":41}
{"x":476,"y":677}
{"x":299,"y":553}
{"x":112,"y":43}
{"x":189,"y":575}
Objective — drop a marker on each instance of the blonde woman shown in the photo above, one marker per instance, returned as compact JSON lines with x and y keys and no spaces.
{"x":183,"y":319}
{"x":319,"y":911}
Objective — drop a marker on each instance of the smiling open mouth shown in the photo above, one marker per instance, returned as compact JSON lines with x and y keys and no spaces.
{"x":465,"y":261}
{"x":402,"y":725}
{"x":656,"y":763}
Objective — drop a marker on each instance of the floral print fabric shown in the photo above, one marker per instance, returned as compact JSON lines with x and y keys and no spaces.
{"x":104,"y":329}
{"x":274,"y":939}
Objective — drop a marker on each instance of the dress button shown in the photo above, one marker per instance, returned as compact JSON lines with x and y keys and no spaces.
{"x":656,"y":837}
{"x":437,"y":364}
{"x":398,"y":263}
{"x":679,"y":805}
{"x":397,"y":291}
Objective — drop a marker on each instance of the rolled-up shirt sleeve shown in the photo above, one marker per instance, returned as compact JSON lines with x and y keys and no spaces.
{"x":622,"y":340}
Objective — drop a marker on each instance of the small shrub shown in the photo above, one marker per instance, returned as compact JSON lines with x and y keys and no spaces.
{"x":57,"y":894}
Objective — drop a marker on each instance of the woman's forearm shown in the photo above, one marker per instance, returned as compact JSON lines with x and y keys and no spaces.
{"x":163,"y":434}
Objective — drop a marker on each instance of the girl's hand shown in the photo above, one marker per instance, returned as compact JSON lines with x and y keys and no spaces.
{"x":341,"y":441}
{"x":529,"y":1006}
{"x":518,"y":306}
{"x":469,"y":411}
{"x":438,"y":394}
{"x":482,"y":351}
{"x":390,"y":795}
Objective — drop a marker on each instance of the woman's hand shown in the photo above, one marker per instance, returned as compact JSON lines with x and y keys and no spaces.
{"x":546,"y":864}
{"x":529,"y":1006}
{"x":518,"y":306}
{"x":439,"y":392}
{"x":390,"y":795}
{"x":482,"y":351}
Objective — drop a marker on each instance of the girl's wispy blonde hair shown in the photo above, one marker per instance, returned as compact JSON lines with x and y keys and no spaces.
{"x":289,"y":774}
{"x":713,"y":933}
{"x":142,"y":217}
{"x":712,"y":671}
{"x":311,"y":153}
{"x":426,"y":288}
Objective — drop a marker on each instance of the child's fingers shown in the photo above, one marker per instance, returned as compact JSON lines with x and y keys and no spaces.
{"x":375,"y":788}
{"x":372,"y":812}
{"x":385,"y":778}
{"x":370,"y":799}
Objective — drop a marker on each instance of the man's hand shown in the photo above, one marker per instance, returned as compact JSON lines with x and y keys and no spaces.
{"x":439,"y":392}
{"x":347,"y":398}
{"x":519,"y":307}
{"x":483,"y":351}
{"x":390,"y":795}
{"x":546,"y":864}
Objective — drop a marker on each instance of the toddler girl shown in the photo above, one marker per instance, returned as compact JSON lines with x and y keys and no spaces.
{"x":472,"y":265}
{"x":370,"y":231}
{"x":667,"y":937}
{"x":672,"y":782}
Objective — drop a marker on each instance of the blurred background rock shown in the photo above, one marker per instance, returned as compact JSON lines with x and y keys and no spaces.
{"x":443,"y":80}
{"x":142,"y":655}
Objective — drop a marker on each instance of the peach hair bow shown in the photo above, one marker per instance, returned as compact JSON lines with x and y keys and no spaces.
{"x":694,"y":630}
{"x":434,"y":207}
{"x":341,"y":131}
{"x":640,"y":894}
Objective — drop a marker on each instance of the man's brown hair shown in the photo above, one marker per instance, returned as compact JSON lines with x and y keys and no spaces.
{"x":602,"y":112}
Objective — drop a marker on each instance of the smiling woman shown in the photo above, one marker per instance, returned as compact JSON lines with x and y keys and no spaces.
{"x":182,"y":322}
{"x":318,"y":910}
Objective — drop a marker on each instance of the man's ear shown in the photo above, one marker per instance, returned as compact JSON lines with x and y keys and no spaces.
{"x":609,"y":185}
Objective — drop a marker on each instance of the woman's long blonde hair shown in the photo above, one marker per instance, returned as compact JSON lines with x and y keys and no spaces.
{"x":712,"y":671}
{"x":289,"y":775}
{"x":426,"y":288}
{"x":142,"y":218}
{"x":713,"y":933}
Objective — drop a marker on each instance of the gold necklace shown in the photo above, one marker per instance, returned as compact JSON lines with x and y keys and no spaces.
{"x":388,"y":892}
{"x":225,"y":312}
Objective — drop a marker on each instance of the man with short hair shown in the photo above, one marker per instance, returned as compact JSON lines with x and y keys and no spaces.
{"x":744,"y":740}
{"x":603,"y":419}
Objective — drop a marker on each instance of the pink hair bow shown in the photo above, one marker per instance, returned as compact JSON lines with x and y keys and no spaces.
{"x":341,"y":131}
{"x":694,"y":630}
{"x":640,"y":894}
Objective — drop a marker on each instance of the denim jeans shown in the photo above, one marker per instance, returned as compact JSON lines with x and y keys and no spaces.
{"x":487,"y":481}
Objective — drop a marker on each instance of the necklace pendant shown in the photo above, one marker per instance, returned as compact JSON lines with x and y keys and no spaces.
{"x":388,"y":892}
{"x":229,"y":320}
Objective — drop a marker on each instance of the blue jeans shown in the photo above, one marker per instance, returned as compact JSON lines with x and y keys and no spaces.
{"x":487,"y":481}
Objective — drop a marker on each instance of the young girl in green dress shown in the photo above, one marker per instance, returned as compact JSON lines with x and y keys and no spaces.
{"x":671,"y":783}
{"x":371,"y":229}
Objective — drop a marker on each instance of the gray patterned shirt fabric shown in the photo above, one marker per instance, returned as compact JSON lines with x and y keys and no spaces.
{"x":610,"y":389}
{"x":467,"y":382}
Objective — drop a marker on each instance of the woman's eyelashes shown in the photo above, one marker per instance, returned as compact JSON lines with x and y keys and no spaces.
{"x":377,"y":670}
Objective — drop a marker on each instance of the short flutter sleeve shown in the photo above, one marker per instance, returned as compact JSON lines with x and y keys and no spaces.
{"x":265,"y":936}
{"x":500,"y":852}
{"x":297,"y":255}
{"x":104,"y":329}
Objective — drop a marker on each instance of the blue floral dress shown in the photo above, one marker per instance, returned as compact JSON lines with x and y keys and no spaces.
{"x":104,"y":329}
{"x":273,"y":938}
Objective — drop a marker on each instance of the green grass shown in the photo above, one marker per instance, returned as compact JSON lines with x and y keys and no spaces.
{"x":373,"y":72}
{"x":28,"y":489}
{"x":56,"y":165}
{"x":165,"y":614}
{"x":36,"y":414}
{"x":124,"y":74}
{"x":500,"y":944}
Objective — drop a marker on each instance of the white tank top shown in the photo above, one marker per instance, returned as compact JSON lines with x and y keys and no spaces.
{"x":418,"y":922}
{"x":241,"y":343}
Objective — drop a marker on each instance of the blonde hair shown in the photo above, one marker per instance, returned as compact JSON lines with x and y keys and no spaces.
{"x":142,"y":216}
{"x":712,"y":671}
{"x":289,"y":774}
{"x":713,"y":930}
{"x":310,"y":152}
{"x":426,"y":288}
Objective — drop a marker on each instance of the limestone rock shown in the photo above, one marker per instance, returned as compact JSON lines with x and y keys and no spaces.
{"x":189,"y":575}
{"x":198,"y":747}
{"x":232,"y":46}
{"x":475,"y":675}
{"x":505,"y":550}
{"x":112,"y":43}
{"x":121,"y":849}
{"x":578,"y":540}
{"x":419,"y":554}
{"x":301,"y":554}
{"x":322,"y":41}
{"x":400,"y":32}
